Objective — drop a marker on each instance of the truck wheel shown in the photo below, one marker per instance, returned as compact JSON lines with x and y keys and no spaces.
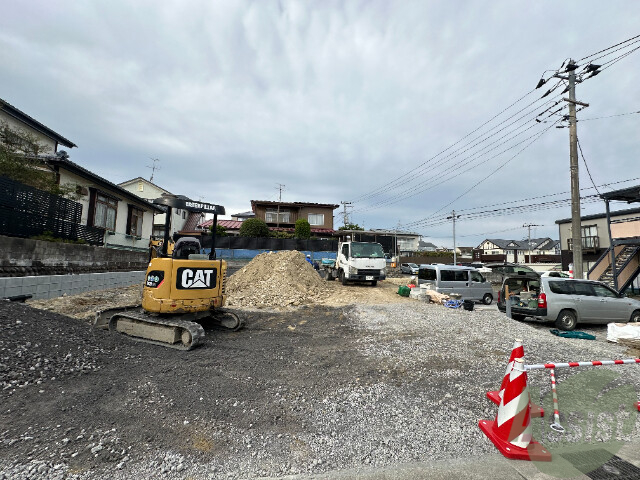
{"x":567,"y":320}
{"x":487,"y":299}
{"x":329,"y":277}
{"x":342,"y":278}
{"x":374,"y":283}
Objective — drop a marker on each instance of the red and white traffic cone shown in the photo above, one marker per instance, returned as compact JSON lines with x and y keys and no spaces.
{"x":511,"y":430}
{"x":496,"y":395}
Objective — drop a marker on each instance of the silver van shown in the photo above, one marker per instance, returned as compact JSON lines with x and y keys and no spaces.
{"x":466,"y":281}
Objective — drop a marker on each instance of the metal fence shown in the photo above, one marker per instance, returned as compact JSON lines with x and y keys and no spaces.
{"x":27,"y":212}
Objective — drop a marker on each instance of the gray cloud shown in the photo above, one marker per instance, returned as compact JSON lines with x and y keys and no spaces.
{"x":332,"y":99}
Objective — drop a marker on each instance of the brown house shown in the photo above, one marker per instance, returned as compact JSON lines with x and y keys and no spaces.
{"x":283,"y":215}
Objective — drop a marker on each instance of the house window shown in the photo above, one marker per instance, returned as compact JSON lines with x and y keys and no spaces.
{"x":316,"y":219}
{"x":105,"y":212}
{"x":184,"y":215}
{"x":271,"y":216}
{"x":134,"y":222}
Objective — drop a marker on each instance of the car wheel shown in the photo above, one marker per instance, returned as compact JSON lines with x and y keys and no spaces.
{"x":342,"y":278}
{"x":518,"y":316}
{"x":567,"y":320}
{"x":635,"y":317}
{"x":374,"y":283}
{"x":487,"y":299}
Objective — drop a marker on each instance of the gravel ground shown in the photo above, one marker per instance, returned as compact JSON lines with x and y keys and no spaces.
{"x":312,"y":390}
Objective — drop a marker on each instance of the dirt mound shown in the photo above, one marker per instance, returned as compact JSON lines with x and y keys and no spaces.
{"x":275,"y":279}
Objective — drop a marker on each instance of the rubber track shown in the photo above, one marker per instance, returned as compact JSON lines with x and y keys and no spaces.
{"x":195,"y":329}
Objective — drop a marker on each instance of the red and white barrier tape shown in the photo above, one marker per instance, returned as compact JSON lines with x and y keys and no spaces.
{"x":556,"y":413}
{"x":595,"y":363}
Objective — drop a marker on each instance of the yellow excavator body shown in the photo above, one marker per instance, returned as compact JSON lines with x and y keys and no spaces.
{"x":182,"y":287}
{"x":175,"y":286}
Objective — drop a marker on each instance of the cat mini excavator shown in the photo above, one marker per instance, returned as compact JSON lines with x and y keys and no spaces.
{"x":181,"y":290}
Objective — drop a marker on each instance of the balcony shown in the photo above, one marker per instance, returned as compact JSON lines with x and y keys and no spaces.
{"x":280,"y":218}
{"x":589,"y":244}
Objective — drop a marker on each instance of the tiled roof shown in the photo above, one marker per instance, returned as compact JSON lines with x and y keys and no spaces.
{"x":61,"y":160}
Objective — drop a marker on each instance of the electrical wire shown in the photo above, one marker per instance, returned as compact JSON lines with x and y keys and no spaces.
{"x":609,"y":116}
{"x":609,"y":48}
{"x":586,"y":166}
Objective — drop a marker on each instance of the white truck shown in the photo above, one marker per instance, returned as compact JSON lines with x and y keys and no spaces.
{"x":357,"y":262}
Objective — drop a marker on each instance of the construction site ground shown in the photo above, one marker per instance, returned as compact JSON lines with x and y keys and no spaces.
{"x":357,"y":382}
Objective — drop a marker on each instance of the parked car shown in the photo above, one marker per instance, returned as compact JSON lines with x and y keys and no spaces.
{"x":566,"y":301}
{"x":466,"y":281}
{"x":554,"y":273}
{"x":507,"y":268}
{"x":411,"y":268}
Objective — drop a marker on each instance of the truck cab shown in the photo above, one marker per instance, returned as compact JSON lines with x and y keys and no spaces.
{"x":360,"y":262}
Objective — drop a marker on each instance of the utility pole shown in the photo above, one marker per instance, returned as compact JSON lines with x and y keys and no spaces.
{"x":153,"y":167}
{"x":280,"y":187}
{"x":528,"y":226}
{"x":345,"y":216}
{"x":454,"y":216}
{"x":576,"y":224}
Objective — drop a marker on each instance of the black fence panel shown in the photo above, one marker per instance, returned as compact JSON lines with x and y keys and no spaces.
{"x":250,"y":243}
{"x":27,"y":212}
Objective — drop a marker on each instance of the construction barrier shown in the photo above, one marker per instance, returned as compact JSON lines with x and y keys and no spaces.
{"x":510,"y":432}
{"x":595,"y":363}
{"x":496,"y":395}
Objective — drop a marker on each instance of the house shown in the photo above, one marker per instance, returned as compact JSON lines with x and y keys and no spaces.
{"x":232,"y":227}
{"x":181,"y":220}
{"x":610,"y":241}
{"x":102,"y":212}
{"x":126,"y":219}
{"x":241,"y":217}
{"x":426,"y":246}
{"x":535,"y":250}
{"x":283,"y":215}
{"x":15,"y":120}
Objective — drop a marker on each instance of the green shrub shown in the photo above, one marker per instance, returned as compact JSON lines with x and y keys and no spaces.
{"x":254,"y":227}
{"x":303,"y":229}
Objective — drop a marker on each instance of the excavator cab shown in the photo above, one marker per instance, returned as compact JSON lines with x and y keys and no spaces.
{"x":181,"y":287}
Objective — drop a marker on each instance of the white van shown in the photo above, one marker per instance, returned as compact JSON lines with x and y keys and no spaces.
{"x":466,"y":281}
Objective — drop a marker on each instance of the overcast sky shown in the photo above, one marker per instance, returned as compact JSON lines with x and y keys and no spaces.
{"x":336,"y":100}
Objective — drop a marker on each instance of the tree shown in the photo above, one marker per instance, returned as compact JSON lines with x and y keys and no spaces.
{"x":303,"y":229}
{"x":254,"y":227}
{"x":21,"y":160}
{"x":220,"y":230}
{"x":351,"y":226}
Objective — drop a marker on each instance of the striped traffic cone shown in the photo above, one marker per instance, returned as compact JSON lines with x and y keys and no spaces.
{"x":496,"y":395}
{"x":511,"y":430}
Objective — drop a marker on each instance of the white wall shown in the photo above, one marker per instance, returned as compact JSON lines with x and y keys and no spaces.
{"x":43,"y":140}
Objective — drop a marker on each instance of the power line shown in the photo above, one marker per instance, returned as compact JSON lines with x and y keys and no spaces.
{"x":610,"y":116}
{"x":609,"y":48}
{"x":587,"y":166}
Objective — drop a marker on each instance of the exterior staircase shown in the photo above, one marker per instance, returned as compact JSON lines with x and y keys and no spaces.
{"x":627,"y":266}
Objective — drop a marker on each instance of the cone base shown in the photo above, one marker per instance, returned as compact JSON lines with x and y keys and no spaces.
{"x":534,"y":452}
{"x":536,"y":410}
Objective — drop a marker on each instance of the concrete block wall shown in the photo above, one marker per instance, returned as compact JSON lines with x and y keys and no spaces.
{"x":51,"y":286}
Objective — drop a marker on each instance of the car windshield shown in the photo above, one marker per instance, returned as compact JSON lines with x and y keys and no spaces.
{"x":412,"y":265}
{"x":366,"y":250}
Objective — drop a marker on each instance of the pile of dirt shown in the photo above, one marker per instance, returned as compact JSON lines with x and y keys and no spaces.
{"x":276,"y":279}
